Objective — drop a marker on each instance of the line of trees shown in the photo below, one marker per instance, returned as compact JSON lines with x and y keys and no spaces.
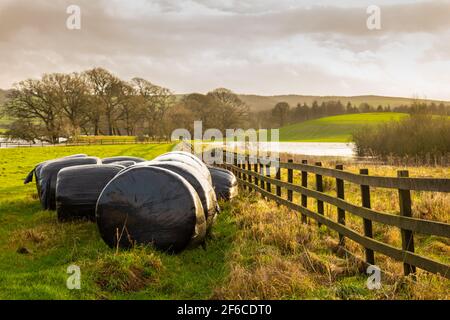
{"x":96,"y":102}
{"x":282,"y":113}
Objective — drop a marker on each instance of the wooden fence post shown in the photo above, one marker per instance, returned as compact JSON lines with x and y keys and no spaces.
{"x":319,"y":187}
{"x":244,"y":176}
{"x":238,"y":163}
{"x":290,"y":180}
{"x":405,"y":210}
{"x":234,"y":165}
{"x":268,"y":184}
{"x":278,"y":177}
{"x":255,"y":168}
{"x":249,"y":177}
{"x":261,"y":181}
{"x":340,"y":195}
{"x":365,"y":194}
{"x":304,"y":197}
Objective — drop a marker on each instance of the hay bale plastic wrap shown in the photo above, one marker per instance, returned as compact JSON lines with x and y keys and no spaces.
{"x":78,"y":189}
{"x":49,"y":174}
{"x":201,"y":185}
{"x":224,"y":182}
{"x":36,"y":172}
{"x":125,"y":164}
{"x":150,"y":205}
{"x":122,"y":158}
{"x":188,"y":159}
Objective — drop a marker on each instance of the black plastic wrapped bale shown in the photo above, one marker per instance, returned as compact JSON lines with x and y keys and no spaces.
{"x":78,"y":189}
{"x":224,"y":182}
{"x":125,"y":164}
{"x":150,"y":205}
{"x":187,"y":158}
{"x":204,"y":189}
{"x":36,"y":172}
{"x":122,"y":158}
{"x":49,"y":175}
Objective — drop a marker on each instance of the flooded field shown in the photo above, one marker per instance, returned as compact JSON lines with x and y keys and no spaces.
{"x":332,"y":149}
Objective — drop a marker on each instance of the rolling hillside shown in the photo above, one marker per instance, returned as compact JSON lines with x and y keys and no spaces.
{"x":336,"y":128}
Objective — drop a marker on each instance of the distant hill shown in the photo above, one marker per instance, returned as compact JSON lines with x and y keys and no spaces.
{"x":262,"y":103}
{"x":259,"y":103}
{"x":335,"y":128}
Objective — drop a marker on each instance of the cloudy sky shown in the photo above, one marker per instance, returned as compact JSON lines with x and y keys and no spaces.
{"x":250,"y":46}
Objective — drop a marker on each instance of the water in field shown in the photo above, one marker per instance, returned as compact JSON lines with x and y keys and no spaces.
{"x":333,"y":149}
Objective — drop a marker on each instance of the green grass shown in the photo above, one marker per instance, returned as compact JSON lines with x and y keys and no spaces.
{"x":257,"y":250}
{"x":336,"y":128}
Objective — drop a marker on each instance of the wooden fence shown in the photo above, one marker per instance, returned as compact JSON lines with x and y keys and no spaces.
{"x":256,"y":176}
{"x":13,"y":144}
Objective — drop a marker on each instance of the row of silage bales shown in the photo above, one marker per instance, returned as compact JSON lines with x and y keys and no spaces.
{"x":169,"y":202}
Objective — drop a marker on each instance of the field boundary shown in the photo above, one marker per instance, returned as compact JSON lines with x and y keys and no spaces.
{"x":94,"y":142}
{"x":255,"y":176}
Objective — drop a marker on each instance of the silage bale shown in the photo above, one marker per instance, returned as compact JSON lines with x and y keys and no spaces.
{"x":78,"y":189}
{"x":224,"y":182}
{"x":122,"y":158}
{"x":187,"y":158}
{"x":36,"y":172}
{"x":201,"y":185}
{"x":49,"y":174}
{"x":150,"y":205}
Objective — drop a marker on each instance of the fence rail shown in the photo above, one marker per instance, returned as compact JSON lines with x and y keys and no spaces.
{"x":254,"y":175}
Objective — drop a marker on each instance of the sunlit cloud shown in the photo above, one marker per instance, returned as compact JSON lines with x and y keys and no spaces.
{"x":263,"y":47}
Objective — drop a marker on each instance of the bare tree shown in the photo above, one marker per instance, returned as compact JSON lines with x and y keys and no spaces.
{"x":281,"y":112}
{"x":230,"y":110}
{"x":130,"y":108}
{"x":72,"y":94}
{"x":202,"y":107}
{"x":106,"y":92}
{"x":35,"y":103}
{"x":155,"y":102}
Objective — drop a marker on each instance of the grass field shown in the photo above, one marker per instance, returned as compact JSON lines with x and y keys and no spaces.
{"x":336,"y":128}
{"x":257,"y":250}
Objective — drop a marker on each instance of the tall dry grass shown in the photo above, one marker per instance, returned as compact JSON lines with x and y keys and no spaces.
{"x":277,"y":257}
